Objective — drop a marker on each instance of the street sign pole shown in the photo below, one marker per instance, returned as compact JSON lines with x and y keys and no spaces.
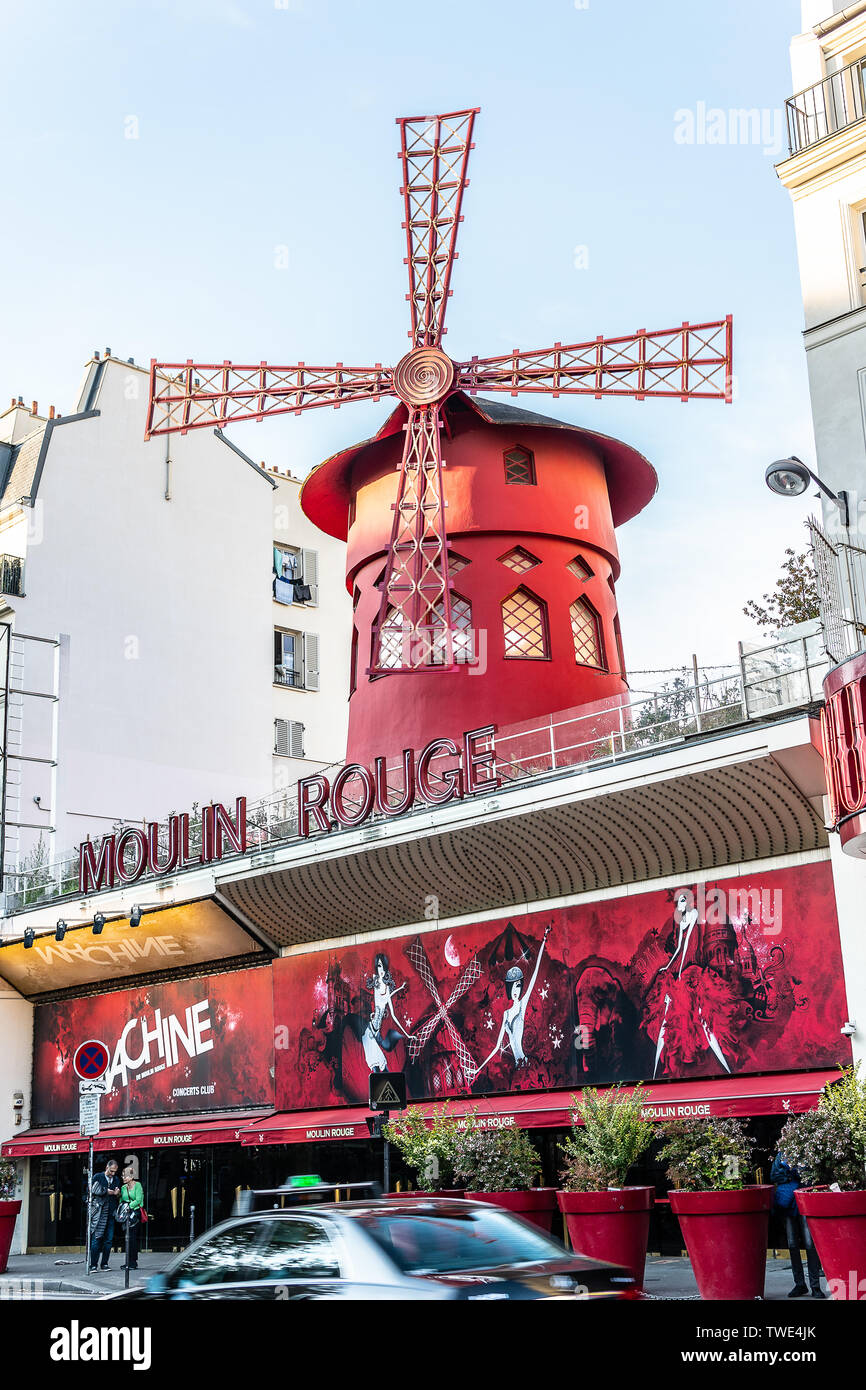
{"x":386,"y":1175}
{"x":87,"y":1239}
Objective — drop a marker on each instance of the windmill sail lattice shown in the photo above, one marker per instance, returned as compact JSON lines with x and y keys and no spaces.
{"x":414,"y":627}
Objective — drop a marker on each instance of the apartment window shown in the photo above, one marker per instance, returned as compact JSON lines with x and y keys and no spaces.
{"x":579,"y":568}
{"x":463,"y":637}
{"x":524,"y":623}
{"x":520,"y":467}
{"x":288,"y":738}
{"x":519,"y":560}
{"x":296,"y":575}
{"x":296,"y":659}
{"x":586,"y":632}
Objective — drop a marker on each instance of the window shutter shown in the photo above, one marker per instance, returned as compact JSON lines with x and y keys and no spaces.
{"x":311,"y":661}
{"x":311,"y":572}
{"x":288,"y":738}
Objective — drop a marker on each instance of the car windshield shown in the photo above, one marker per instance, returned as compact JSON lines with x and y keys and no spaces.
{"x":438,"y":1244}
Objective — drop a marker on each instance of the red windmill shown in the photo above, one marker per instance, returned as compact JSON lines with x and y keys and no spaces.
{"x":414,"y":629}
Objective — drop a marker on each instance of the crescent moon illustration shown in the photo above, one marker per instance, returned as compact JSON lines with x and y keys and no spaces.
{"x":451,"y":952}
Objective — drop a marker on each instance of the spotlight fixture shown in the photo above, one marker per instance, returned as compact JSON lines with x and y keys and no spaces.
{"x":60,"y":930}
{"x":98,"y":923}
{"x":29,"y":938}
{"x":138,"y":911}
{"x":790,"y":477}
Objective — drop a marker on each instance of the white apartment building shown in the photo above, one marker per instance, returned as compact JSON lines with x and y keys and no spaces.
{"x":825,"y":173}
{"x":144,"y":614}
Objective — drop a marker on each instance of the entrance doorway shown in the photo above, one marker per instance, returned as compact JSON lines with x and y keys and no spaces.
{"x":57,"y":1187}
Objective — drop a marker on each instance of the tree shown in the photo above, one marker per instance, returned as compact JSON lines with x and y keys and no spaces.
{"x":794,"y":596}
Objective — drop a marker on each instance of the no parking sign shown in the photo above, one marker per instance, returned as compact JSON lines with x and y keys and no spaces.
{"x":91,"y":1060}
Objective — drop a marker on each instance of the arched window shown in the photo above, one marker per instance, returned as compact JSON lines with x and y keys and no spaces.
{"x":586,"y":631}
{"x":391,"y":641}
{"x":463,"y":637}
{"x":520,"y":467}
{"x":579,"y":568}
{"x":519,"y":560}
{"x":524,"y":624}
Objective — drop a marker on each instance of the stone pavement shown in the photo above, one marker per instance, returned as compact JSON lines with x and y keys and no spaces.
{"x":63,"y":1276}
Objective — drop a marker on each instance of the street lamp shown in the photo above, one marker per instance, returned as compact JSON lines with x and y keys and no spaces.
{"x":790,"y":477}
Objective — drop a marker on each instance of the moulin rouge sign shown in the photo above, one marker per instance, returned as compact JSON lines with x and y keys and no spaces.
{"x":356,"y":793}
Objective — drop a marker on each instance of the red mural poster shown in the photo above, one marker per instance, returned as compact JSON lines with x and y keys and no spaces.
{"x":739,"y":975}
{"x":176,"y":1048}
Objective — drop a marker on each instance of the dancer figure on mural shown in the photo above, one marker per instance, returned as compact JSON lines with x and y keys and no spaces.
{"x":514,"y":1018}
{"x":368,"y":1030}
{"x":692,"y":999}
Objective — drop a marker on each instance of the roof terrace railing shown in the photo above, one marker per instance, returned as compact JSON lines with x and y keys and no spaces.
{"x":770,"y":680}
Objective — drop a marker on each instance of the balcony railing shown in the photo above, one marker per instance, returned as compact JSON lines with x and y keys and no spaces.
{"x":770,"y":680}
{"x":829,"y":106}
{"x":11,"y":575}
{"x":287,"y":675}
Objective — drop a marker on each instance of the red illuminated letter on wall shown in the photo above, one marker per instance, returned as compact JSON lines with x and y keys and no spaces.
{"x":844,"y":739}
{"x":476,"y":756}
{"x":355,"y":814}
{"x":96,"y":873}
{"x":235,"y":831}
{"x":407,"y":796}
{"x":451,"y":777}
{"x":173,"y":846}
{"x":130,"y":836}
{"x":313,"y":795}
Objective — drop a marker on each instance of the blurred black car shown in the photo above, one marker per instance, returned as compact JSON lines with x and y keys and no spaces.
{"x":408,"y":1248}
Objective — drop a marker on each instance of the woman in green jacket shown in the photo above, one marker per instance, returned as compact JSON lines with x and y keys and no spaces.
{"x":133,"y":1193}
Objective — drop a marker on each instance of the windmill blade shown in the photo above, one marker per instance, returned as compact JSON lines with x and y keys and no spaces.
{"x":413,"y":630}
{"x":434,"y":151}
{"x":692,"y":362}
{"x":209,"y":395}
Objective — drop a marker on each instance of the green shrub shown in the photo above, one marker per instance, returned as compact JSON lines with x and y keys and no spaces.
{"x":828,"y":1145}
{"x":8,"y":1179}
{"x":610,"y":1139}
{"x":427,"y":1148}
{"x":707,"y":1155}
{"x":495,"y":1160}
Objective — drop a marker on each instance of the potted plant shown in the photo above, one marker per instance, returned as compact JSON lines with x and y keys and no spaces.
{"x":501,"y":1166}
{"x":9,"y":1208}
{"x":828,"y":1147}
{"x":724,"y":1221}
{"x":606,"y":1219}
{"x":426,"y":1140}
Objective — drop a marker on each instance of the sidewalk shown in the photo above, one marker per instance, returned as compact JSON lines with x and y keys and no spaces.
{"x":29,"y":1276}
{"x":667,"y":1277}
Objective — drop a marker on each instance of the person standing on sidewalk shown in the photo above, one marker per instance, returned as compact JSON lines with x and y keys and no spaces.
{"x":105,"y":1193}
{"x":797,"y":1232}
{"x":132,"y":1193}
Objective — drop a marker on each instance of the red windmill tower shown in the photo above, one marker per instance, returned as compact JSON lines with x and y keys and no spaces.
{"x":522,"y":507}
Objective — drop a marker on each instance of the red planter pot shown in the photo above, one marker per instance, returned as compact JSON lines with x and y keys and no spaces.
{"x":8,"y":1216}
{"x":726,"y":1236}
{"x":535,"y":1204}
{"x":612,"y":1225}
{"x":837,"y":1221}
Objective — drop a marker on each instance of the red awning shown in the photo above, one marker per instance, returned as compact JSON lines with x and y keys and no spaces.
{"x":211,"y":1129}
{"x":741,"y":1096}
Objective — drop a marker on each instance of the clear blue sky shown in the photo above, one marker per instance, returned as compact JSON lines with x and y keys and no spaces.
{"x":264,"y":125}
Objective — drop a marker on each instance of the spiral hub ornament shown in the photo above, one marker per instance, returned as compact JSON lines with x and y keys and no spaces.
{"x":424,"y":376}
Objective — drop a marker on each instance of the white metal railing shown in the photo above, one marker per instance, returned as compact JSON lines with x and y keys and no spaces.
{"x":779,"y":676}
